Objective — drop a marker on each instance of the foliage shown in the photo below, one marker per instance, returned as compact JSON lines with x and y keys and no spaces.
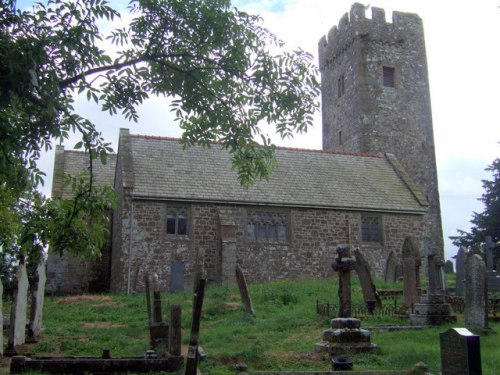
{"x":486,"y":223}
{"x":227,"y":76}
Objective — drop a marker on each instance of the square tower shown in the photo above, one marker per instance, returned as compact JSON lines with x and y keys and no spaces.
{"x":375,"y":97}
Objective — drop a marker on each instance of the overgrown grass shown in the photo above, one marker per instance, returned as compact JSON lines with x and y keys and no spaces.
{"x":281,"y":336}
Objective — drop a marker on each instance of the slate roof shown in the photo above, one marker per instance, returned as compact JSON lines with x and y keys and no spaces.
{"x":162,"y":169}
{"x":74,"y":163}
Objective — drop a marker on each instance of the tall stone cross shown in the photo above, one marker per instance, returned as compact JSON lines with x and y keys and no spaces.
{"x":344,"y":264}
{"x":488,"y":247}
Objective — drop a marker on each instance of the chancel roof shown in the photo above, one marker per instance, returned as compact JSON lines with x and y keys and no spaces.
{"x":160,"y":168}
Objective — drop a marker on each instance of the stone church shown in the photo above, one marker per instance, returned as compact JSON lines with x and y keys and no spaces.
{"x":373,"y":184}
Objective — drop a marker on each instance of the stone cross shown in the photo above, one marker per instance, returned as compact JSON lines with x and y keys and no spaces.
{"x":344,"y":264}
{"x":436,"y":283}
{"x":488,"y":249}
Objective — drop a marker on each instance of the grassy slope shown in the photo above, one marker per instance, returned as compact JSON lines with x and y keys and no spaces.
{"x":280,"y":337}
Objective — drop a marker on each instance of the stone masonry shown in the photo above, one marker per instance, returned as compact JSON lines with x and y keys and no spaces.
{"x":363,"y":113}
{"x":306,"y":254}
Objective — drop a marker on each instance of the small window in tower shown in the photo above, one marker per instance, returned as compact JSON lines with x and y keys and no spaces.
{"x":389,"y":76}
{"x":340,"y":138}
{"x":340,"y":86}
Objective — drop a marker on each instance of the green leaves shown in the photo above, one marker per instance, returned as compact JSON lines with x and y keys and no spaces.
{"x":214,"y":63}
{"x":486,"y":223}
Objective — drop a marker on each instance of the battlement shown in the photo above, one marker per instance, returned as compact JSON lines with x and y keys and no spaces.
{"x":355,"y":24}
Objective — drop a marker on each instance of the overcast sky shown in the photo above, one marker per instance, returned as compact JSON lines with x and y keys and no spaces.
{"x":462,"y":39}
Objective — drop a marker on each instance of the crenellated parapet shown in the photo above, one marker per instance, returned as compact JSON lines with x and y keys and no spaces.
{"x":404,"y":28}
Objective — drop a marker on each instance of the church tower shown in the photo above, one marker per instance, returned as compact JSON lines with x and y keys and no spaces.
{"x":375,"y":97}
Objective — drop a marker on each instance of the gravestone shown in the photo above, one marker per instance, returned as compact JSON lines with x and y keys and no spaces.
{"x":158,"y":329}
{"x":476,"y":292}
{"x":460,"y":352}
{"x":460,"y":274}
{"x":492,"y":276}
{"x":448,"y":267}
{"x":17,"y":334}
{"x":391,"y":268}
{"x":175,"y":331}
{"x":365,"y":278}
{"x":411,"y":270}
{"x":432,"y":308}
{"x":177,"y":276}
{"x":245,"y":295}
{"x":37,"y":299}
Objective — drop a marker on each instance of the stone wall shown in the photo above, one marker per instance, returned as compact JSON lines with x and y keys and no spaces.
{"x":312,"y":235}
{"x":368,"y":117}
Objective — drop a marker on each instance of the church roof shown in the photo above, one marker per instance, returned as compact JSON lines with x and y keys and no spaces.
{"x":75,"y":163}
{"x":160,"y":168}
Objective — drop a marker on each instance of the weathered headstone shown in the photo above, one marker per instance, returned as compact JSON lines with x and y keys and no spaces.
{"x":177,"y":276}
{"x":158,"y":329}
{"x":245,"y":295}
{"x":365,"y":278}
{"x":175,"y":330}
{"x":17,"y":334}
{"x":460,"y":352}
{"x":476,"y":292}
{"x":37,"y":299}
{"x":391,"y":267}
{"x":193,"y":353}
{"x":411,"y":263}
{"x":148,"y":299}
{"x":488,"y":249}
{"x":157,"y":314}
{"x":432,"y":308}
{"x":448,"y":267}
{"x":493,"y":277}
{"x":460,"y":274}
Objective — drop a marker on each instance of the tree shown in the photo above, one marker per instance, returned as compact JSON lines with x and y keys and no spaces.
{"x":486,"y":223}
{"x":215,"y":63}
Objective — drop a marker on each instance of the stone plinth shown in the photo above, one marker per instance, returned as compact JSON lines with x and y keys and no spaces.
{"x":346,"y":337}
{"x":432,"y":310}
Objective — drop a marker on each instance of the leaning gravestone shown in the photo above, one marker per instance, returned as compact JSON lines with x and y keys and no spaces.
{"x":37,"y":299}
{"x":245,"y":295}
{"x":460,"y":352}
{"x":17,"y":334}
{"x":476,"y":292}
{"x":460,"y":273}
{"x":365,"y":278}
{"x":411,"y":262}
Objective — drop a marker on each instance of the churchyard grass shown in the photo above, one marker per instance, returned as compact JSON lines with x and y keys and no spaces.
{"x":281,"y":336}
